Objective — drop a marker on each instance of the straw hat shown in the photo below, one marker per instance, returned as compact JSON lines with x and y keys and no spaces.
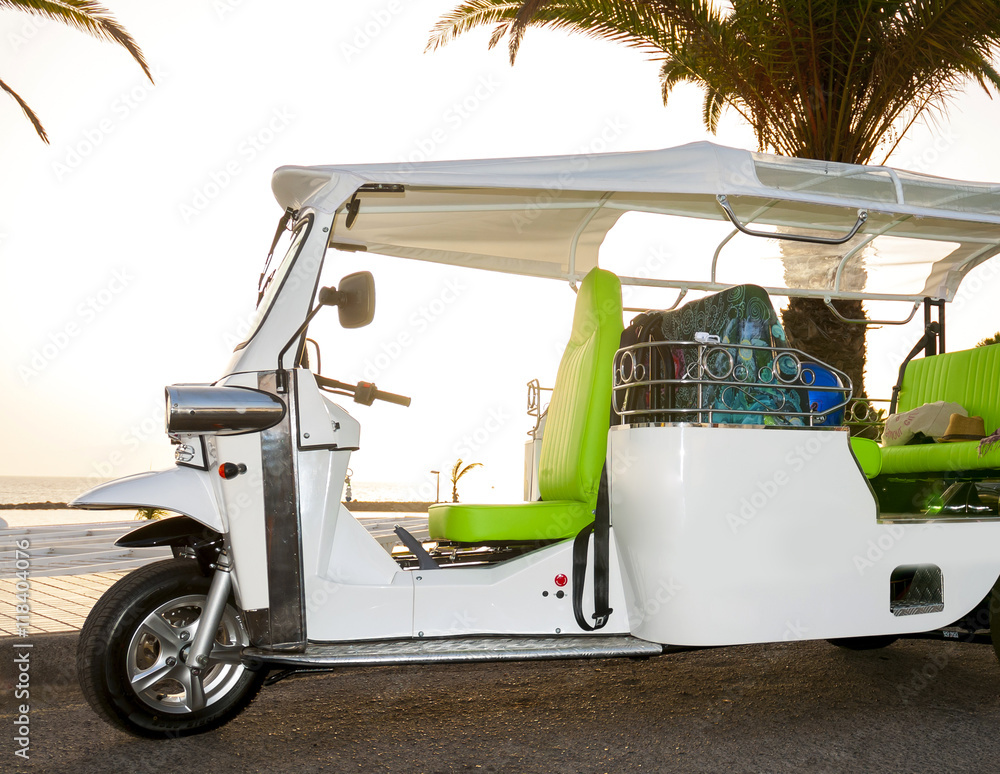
{"x":964,"y":429}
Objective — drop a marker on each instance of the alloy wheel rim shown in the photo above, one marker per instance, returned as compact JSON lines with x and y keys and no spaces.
{"x":155,"y":660}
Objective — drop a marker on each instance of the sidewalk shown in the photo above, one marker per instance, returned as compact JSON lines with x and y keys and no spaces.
{"x":58,"y":604}
{"x":62,"y":593}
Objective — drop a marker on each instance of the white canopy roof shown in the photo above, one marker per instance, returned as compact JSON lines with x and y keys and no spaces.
{"x":548,"y":216}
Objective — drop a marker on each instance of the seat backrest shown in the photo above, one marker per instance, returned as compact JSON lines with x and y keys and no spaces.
{"x":574,"y":443}
{"x":968,"y":378}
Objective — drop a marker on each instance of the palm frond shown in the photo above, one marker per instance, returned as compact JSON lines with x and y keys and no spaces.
{"x":712,"y":109}
{"x":468,"y":16}
{"x":524,"y":16}
{"x":635,"y":23}
{"x":27,"y":112}
{"x":86,"y":16}
{"x":814,"y":78}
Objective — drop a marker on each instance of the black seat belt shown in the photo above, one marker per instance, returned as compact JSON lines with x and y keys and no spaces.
{"x":601,"y":527}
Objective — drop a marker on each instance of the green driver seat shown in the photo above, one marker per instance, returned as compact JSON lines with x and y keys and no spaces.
{"x":574,"y":443}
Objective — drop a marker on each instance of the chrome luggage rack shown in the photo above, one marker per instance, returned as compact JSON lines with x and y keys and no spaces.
{"x":535,"y":409}
{"x":742,"y":384}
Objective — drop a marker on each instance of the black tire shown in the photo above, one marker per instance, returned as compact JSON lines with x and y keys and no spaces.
{"x":873,"y":642}
{"x":123,"y":656}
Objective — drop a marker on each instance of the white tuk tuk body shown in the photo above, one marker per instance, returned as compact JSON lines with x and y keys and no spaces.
{"x":720,"y":533}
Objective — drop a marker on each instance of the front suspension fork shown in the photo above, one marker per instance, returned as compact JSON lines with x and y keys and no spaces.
{"x":211,"y":617}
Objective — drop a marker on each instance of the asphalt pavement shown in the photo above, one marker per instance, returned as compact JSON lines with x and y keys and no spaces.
{"x":916,"y":706}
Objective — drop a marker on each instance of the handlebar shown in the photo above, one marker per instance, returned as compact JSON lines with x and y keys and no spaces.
{"x":363,"y":392}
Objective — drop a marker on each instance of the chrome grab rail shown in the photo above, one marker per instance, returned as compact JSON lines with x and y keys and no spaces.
{"x":723,"y":201}
{"x":719,"y":365}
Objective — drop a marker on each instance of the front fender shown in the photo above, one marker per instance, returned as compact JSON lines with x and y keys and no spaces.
{"x":182,"y":490}
{"x":183,"y":534}
{"x":175,"y":531}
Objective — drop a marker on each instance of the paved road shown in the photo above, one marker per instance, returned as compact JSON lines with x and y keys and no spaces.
{"x":806,"y":707}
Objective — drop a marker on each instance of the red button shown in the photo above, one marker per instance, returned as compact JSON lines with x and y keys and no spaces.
{"x":561,"y":580}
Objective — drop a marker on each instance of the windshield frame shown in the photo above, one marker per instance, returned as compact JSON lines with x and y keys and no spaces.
{"x":275,"y":283}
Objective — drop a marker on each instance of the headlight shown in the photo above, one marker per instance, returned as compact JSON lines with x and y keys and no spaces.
{"x":199,"y":409}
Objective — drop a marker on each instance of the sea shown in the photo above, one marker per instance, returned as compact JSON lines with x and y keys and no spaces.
{"x":56,"y":489}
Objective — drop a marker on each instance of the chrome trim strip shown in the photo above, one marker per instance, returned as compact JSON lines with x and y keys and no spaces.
{"x":917,"y":519}
{"x":283,"y":528}
{"x":258,"y":626}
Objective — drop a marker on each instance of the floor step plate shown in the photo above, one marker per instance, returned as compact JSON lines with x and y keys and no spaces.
{"x":469,"y":649}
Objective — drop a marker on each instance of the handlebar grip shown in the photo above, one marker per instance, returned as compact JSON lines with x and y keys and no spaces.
{"x":389,"y":397}
{"x":363,"y":392}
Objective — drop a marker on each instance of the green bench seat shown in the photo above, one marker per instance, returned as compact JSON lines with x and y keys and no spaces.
{"x":970,"y":378}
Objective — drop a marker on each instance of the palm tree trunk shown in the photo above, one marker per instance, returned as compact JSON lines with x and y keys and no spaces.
{"x":809,"y":324}
{"x":811,"y":327}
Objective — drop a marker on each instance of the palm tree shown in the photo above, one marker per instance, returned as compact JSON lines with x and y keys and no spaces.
{"x":456,"y":474}
{"x":836,"y":80}
{"x":85,"y":15}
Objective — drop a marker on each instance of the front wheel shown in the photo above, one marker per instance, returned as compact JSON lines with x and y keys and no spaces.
{"x":132,"y":651}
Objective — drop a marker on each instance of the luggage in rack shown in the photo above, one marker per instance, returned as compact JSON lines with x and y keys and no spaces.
{"x":661,"y":380}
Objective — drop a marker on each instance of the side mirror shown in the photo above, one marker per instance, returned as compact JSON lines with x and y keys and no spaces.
{"x":355,"y":300}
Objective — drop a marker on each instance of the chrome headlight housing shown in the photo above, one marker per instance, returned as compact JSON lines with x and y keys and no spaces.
{"x":196,"y":409}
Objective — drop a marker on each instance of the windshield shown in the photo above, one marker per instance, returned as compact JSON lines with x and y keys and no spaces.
{"x":274,"y":281}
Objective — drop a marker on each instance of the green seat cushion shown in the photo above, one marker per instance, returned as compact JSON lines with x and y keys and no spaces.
{"x":542,"y":520}
{"x":928,"y":457}
{"x":868,"y":454}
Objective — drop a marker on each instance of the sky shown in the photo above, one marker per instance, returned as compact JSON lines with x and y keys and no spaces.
{"x":130,"y":247}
